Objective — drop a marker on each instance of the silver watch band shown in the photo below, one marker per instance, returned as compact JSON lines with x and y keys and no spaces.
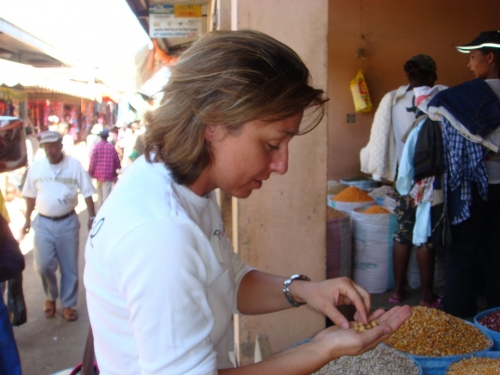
{"x":286,"y":289}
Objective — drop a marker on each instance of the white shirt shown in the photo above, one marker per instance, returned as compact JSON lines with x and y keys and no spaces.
{"x":56,"y":186}
{"x":161,"y":278}
{"x":402,"y":120}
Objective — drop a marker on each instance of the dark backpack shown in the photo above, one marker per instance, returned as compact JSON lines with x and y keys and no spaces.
{"x":428,"y":159}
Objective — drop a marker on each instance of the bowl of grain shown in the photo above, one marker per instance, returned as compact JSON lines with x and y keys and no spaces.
{"x":489,"y":321}
{"x":382,"y":360}
{"x":435,"y":339}
{"x":477,"y":364}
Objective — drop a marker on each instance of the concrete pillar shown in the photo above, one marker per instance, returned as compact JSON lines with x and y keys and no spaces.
{"x":281,"y":228}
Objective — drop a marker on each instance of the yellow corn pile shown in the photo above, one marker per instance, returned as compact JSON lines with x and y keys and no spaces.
{"x":433,"y":333}
{"x":376,"y":210}
{"x":353,"y":194}
{"x":475,"y":366}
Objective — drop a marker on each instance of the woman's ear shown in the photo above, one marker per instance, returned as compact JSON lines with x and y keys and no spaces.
{"x":213,"y":132}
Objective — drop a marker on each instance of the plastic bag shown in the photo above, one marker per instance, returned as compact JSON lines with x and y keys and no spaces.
{"x":360,"y":93}
{"x":15,"y":301}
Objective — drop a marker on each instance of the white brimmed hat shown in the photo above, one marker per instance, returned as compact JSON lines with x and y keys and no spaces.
{"x":487,"y":39}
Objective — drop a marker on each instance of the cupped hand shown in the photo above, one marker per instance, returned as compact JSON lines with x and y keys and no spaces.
{"x":349,"y":342}
{"x":324,"y":296}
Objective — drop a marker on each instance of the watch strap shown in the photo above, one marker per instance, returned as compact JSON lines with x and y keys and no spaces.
{"x":286,"y":289}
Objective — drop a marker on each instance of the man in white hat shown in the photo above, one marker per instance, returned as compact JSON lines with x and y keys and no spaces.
{"x":52,"y":185}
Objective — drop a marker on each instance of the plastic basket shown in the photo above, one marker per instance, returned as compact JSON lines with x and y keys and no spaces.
{"x":494,"y":335}
{"x":490,"y":354}
{"x":438,"y":365}
{"x":361,"y":182}
{"x":420,"y":370}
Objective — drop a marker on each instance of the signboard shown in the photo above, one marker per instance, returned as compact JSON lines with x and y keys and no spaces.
{"x":175,"y":21}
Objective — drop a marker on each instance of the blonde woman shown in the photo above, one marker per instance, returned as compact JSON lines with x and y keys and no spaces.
{"x":162,"y":279}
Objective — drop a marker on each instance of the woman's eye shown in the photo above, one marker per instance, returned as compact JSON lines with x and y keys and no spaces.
{"x":272,"y":147}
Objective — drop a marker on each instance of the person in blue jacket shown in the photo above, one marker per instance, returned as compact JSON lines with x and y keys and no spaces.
{"x":11,"y":265}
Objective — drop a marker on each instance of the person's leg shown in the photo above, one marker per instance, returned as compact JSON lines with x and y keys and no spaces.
{"x":100,"y":194}
{"x":44,"y":256}
{"x":400,"y":257}
{"x":460,"y":265}
{"x":405,"y":212}
{"x":107,"y":186}
{"x":426,"y":257}
{"x":462,"y":260}
{"x":67,"y":255}
{"x":490,"y":249}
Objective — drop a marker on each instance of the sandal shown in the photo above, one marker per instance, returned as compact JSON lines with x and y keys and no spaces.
{"x":49,"y":309}
{"x":404,"y":296}
{"x":436,"y":304}
{"x":69,"y":314}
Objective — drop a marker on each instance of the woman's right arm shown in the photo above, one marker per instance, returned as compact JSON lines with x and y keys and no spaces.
{"x":327,"y":345}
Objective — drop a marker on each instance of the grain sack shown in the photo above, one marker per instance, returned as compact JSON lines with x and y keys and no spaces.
{"x":372,"y":250}
{"x":338,"y":244}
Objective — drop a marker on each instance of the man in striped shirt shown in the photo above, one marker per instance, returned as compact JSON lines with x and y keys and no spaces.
{"x":104,"y":162}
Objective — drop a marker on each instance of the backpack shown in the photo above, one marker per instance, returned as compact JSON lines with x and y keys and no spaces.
{"x":428,"y":159}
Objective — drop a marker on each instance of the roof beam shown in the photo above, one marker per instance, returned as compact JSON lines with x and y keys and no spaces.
{"x":19,"y":34}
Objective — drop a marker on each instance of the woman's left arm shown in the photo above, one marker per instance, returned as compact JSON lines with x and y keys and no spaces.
{"x":261,"y":293}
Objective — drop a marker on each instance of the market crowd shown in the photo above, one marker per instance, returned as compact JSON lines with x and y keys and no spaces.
{"x":50,"y":184}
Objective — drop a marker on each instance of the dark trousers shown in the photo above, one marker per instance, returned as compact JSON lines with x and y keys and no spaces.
{"x":474,"y":255}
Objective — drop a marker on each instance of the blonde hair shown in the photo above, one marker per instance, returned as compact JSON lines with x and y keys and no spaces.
{"x":226,"y":78}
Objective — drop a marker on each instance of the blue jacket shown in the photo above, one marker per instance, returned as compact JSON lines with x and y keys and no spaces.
{"x":472,"y":103}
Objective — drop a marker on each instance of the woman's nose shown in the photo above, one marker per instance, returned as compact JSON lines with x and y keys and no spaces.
{"x":279,"y":164}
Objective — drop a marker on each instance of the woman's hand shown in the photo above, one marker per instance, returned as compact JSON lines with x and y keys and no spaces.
{"x":324,"y":296}
{"x":350,"y":342}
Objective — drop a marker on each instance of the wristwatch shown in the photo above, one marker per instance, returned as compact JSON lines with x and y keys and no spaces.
{"x":286,"y":289}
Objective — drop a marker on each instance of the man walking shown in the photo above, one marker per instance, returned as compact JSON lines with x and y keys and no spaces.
{"x":104,"y":162}
{"x":52,"y":185}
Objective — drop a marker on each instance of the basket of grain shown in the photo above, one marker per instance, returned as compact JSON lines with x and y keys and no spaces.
{"x":372,"y":228}
{"x":436,"y":339}
{"x":489,"y":321}
{"x":487,"y":363}
{"x":382,"y":360}
{"x":350,"y":198}
{"x":338,"y":244}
